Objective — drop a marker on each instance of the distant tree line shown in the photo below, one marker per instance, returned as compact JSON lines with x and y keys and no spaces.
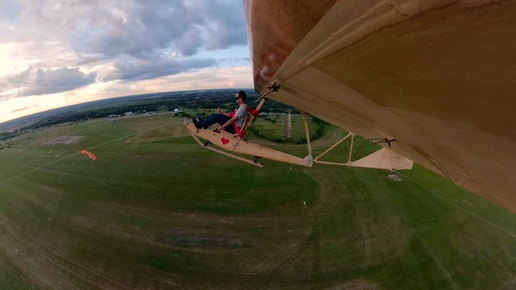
{"x":161,"y":103}
{"x":7,"y":135}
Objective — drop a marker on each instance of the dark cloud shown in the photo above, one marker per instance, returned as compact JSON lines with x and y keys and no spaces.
{"x":128,"y":68}
{"x":23,"y":109}
{"x":47,"y":81}
{"x":144,"y":29}
{"x":190,"y":42}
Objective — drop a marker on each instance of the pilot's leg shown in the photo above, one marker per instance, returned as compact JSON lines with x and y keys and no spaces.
{"x":216,"y":118}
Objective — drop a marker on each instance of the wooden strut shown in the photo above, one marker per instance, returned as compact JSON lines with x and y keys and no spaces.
{"x":316,"y":160}
{"x":307,"y":133}
{"x":384,"y":158}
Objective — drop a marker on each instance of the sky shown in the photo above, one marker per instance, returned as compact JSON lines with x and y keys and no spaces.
{"x":55,"y":53}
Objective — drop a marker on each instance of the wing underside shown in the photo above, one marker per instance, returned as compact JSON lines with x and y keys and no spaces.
{"x":435,"y":74}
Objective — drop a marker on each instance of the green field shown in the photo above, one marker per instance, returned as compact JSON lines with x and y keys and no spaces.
{"x":157,"y":211}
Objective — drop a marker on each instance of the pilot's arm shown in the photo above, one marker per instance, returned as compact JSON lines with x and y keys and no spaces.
{"x":228,"y":123}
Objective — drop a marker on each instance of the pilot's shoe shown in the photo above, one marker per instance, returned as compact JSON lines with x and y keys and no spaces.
{"x":196,"y":123}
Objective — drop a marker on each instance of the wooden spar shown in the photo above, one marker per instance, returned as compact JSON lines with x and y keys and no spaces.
{"x":332,"y":163}
{"x":351,"y":147}
{"x":307,"y":133}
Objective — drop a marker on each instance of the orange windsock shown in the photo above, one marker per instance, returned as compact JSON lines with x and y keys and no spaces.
{"x":90,"y":155}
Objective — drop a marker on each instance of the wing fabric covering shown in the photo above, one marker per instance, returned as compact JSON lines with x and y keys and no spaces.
{"x":436,"y":74}
{"x":385,"y":159}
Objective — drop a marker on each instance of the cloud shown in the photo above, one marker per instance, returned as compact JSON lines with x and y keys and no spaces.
{"x":24,"y":108}
{"x":145,"y":29}
{"x":225,"y":25}
{"x":38,"y":81}
{"x":128,"y":68}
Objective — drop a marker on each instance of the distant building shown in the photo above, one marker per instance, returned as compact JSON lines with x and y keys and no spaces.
{"x":128,"y":113}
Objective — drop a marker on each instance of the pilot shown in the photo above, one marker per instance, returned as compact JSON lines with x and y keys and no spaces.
{"x":225,"y":120}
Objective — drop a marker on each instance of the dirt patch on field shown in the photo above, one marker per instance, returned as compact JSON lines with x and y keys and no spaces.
{"x":147,"y":135}
{"x":197,"y":240}
{"x":58,"y":140}
{"x":510,"y":284}
{"x":357,"y":285}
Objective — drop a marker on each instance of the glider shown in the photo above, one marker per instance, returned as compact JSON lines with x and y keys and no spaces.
{"x":384,"y":158}
{"x":238,"y":143}
{"x":89,"y":154}
{"x":436,"y":75}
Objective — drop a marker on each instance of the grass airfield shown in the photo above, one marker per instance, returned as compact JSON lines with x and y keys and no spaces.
{"x":156,"y":211}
